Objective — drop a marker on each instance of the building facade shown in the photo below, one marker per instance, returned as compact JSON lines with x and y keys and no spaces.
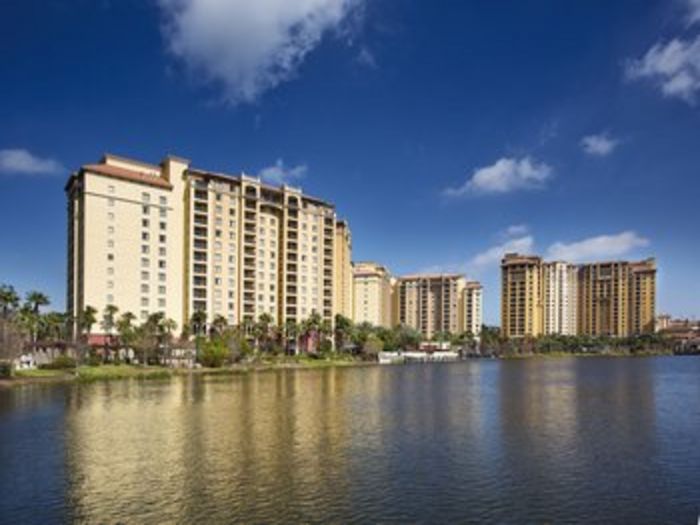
{"x":615,"y":298}
{"x":436,"y":303}
{"x":344,"y":286}
{"x":472,"y":305}
{"x":372,"y":294}
{"x":522,"y":296}
{"x":174,"y":239}
{"x":560,"y":302}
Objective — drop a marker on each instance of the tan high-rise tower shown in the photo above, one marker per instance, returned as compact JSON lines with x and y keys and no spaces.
{"x":174,"y":239}
{"x":522,"y":295}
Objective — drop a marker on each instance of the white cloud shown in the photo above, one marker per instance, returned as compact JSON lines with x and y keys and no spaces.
{"x":494,"y":254}
{"x":599,"y":145}
{"x":594,"y":248}
{"x":503,"y":176}
{"x":248,"y":46}
{"x":278,"y":173}
{"x":516,"y":230}
{"x":22,"y":162}
{"x":674,"y":67}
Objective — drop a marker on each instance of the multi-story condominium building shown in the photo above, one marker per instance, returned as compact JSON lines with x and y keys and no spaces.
{"x":372,"y":294}
{"x":617,"y":298}
{"x":472,"y":303}
{"x":435,"y":303}
{"x":343,"y":287}
{"x":522,"y":295}
{"x":174,"y":239}
{"x":614,"y":298}
{"x":560,"y":281}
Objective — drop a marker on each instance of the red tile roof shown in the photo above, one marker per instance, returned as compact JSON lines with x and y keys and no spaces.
{"x":125,"y":174}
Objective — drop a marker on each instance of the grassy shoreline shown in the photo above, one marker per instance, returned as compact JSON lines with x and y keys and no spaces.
{"x":88,"y":374}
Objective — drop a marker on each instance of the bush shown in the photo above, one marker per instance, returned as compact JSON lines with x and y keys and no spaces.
{"x":62,"y":362}
{"x":5,"y":369}
{"x":213,"y":353}
{"x":325,"y":348}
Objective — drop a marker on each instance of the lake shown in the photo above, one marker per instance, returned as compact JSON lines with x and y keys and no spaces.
{"x":592,"y":440}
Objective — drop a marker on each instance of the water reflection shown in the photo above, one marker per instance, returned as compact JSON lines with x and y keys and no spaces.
{"x":521,"y":441}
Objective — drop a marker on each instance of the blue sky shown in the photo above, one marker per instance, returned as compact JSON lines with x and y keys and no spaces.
{"x":446,"y":132}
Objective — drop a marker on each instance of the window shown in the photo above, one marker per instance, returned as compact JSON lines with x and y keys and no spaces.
{"x":144,"y":236}
{"x":110,"y":256}
{"x":144,"y":288}
{"x":110,"y":298}
{"x":161,"y":264}
{"x":110,"y":216}
{"x":161,"y":277}
{"x":161,"y":303}
{"x":110,"y":284}
{"x":144,"y":249}
{"x":145,"y":223}
{"x":110,"y":243}
{"x":145,"y":197}
{"x":161,"y":238}
{"x":163,"y":226}
{"x":161,"y":251}
{"x":145,"y":262}
{"x":144,"y":301}
{"x":110,"y":271}
{"x":145,"y":276}
{"x":163,"y":201}
{"x":110,"y":229}
{"x":163,"y":212}
{"x":146,"y":210}
{"x":110,"y":189}
{"x":110,"y":202}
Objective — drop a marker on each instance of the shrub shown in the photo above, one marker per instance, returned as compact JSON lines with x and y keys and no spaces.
{"x":213,"y":353}
{"x":62,"y":362}
{"x":326,"y":347}
{"x":5,"y":369}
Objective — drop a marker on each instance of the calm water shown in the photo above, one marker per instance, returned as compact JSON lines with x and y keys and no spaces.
{"x":567,"y":440}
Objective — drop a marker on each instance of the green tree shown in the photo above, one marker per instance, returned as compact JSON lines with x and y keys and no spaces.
{"x":9,"y":300}
{"x":86,"y":320}
{"x":35,"y":300}
{"x":343,"y":332}
{"x":372,"y":346}
{"x":213,"y":353}
{"x":109,"y":320}
{"x":198,"y":322}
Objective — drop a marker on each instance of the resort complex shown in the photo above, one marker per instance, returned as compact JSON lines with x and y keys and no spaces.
{"x":614,"y":298}
{"x":177,"y":240}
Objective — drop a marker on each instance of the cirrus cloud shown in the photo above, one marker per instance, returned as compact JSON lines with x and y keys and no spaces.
{"x":21,"y":162}
{"x":248,"y":47}
{"x":504,"y":176}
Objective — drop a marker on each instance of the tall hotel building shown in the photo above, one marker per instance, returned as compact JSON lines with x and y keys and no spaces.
{"x":560,"y":281}
{"x":617,"y":298}
{"x":372,"y":294}
{"x":433,"y":303}
{"x":522,"y":296}
{"x":598,"y":299}
{"x":174,"y":239}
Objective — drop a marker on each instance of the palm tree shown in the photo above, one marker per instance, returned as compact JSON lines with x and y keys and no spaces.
{"x":291,"y":333}
{"x":219,"y":324}
{"x":167,"y":326}
{"x":109,"y":320}
{"x":125,"y":329}
{"x":343,"y":331}
{"x":9,"y":300}
{"x":36,"y":300}
{"x":87,"y":319}
{"x":261,"y":330}
{"x":198,"y":321}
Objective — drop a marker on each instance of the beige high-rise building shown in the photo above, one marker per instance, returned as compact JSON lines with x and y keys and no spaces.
{"x":372,"y":294}
{"x":617,"y":298}
{"x":472,"y":308}
{"x":522,"y":294}
{"x":344,"y":286}
{"x":435,"y":303}
{"x":560,"y":282}
{"x":174,"y":239}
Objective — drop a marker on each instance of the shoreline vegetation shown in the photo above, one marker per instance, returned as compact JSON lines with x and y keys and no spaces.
{"x":90,"y":374}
